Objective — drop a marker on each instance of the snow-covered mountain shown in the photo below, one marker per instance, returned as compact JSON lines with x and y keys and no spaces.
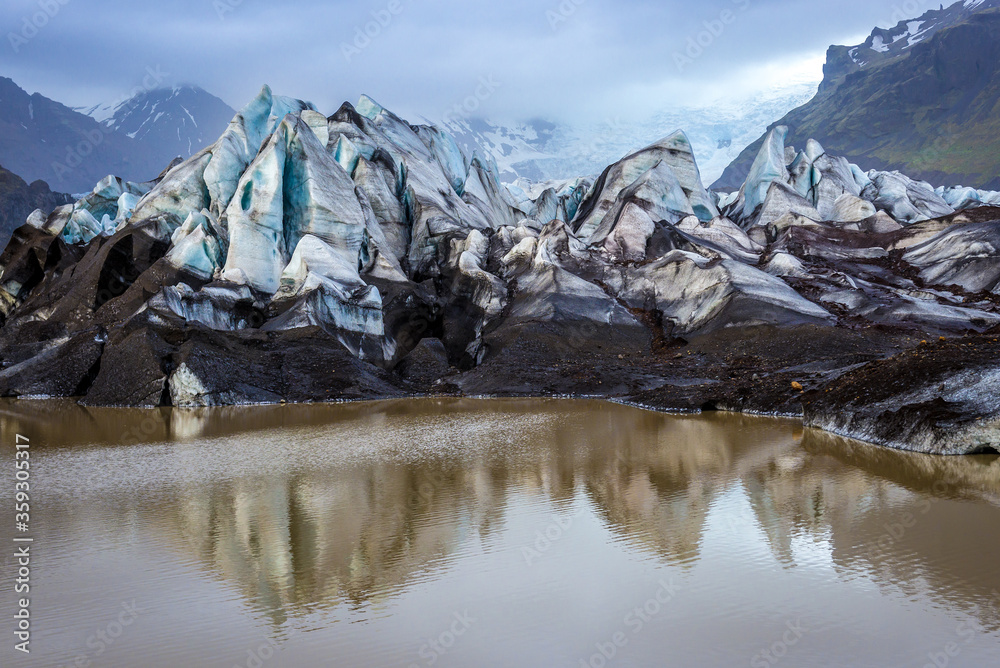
{"x":41,"y":139}
{"x":885,"y":44}
{"x":71,"y":149}
{"x":167,"y":122}
{"x":541,"y":150}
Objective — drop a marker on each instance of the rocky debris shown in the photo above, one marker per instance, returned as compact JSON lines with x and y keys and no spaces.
{"x":305,"y":258}
{"x":63,"y":367}
{"x":426,"y":366}
{"x":133,"y":372}
{"x":213,"y":369}
{"x":941,"y":398}
{"x":756,"y":370}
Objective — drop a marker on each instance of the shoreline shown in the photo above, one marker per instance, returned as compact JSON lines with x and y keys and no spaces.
{"x":620,"y":401}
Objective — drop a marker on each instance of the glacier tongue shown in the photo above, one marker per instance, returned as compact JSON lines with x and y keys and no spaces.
{"x":198,"y":253}
{"x":293,"y":188}
{"x":316,"y":263}
{"x":821,"y":187}
{"x":904,"y":199}
{"x":325,"y":290}
{"x":196,"y":246}
{"x":327,"y":250}
{"x":318,"y":194}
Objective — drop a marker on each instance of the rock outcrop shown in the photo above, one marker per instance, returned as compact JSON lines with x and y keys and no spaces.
{"x":312,"y":258}
{"x":942,"y":398}
{"x":18,"y":200}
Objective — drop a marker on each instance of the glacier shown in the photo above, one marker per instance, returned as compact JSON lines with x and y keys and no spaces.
{"x":306,"y":257}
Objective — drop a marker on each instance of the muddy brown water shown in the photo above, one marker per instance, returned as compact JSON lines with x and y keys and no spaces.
{"x":492,"y":533}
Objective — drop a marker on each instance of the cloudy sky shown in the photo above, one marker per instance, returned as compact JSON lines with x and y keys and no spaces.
{"x":561,"y":59}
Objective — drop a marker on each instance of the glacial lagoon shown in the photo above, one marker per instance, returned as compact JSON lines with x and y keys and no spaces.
{"x":495,"y":533}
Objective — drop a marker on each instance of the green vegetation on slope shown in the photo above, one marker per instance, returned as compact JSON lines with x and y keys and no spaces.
{"x":933,"y":114}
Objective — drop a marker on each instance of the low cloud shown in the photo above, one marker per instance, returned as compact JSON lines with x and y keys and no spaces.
{"x":563,"y":59}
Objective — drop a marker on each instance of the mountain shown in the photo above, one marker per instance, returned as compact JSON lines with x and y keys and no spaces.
{"x":72,"y":151}
{"x":541,"y":150}
{"x":41,"y":139}
{"x":308,"y":258}
{"x":18,"y":199}
{"x":922,"y":97}
{"x":167,"y":122}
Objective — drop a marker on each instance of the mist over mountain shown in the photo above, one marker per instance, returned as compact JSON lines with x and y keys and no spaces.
{"x":543,"y":150}
{"x":922,"y":97}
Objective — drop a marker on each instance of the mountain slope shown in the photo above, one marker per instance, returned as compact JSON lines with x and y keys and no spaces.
{"x":43,"y":139}
{"x":167,"y":122}
{"x":18,"y":200}
{"x":923,"y":98}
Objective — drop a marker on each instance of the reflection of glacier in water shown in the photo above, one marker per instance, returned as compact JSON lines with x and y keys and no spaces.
{"x":314,"y":516}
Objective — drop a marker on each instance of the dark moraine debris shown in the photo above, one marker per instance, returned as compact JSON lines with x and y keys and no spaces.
{"x":941,"y":398}
{"x":63,"y":367}
{"x":427,"y":365}
{"x":134,"y":372}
